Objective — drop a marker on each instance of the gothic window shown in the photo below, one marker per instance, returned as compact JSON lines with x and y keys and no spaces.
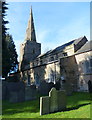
{"x":88,"y":66}
{"x":90,"y":63}
{"x":81,"y":83}
{"x":37,"y":81}
{"x":51,"y":76}
{"x":28,"y":79}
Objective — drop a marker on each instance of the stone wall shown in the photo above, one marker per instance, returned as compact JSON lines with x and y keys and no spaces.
{"x":8,"y":87}
{"x":48,"y":72}
{"x":30,"y":93}
{"x":69,"y":72}
{"x":17,"y":92}
{"x":84,"y":62}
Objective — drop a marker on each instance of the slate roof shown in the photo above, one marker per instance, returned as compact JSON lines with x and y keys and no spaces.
{"x":86,"y":47}
{"x":60,"y":48}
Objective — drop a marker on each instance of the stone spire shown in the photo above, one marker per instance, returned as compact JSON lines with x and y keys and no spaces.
{"x":30,"y":32}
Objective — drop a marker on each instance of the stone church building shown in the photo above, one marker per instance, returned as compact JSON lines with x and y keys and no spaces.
{"x":60,"y":64}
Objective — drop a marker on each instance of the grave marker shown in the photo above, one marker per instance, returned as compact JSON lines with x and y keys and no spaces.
{"x":44,"y":105}
{"x":53,"y":100}
{"x":56,"y":101}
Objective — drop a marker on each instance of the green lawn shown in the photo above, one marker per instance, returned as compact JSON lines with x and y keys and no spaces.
{"x":78,"y":106}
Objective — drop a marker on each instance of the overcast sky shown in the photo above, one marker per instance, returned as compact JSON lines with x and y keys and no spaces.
{"x":56,"y":23}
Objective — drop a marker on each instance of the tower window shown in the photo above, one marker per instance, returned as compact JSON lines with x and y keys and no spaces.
{"x":33,"y":52}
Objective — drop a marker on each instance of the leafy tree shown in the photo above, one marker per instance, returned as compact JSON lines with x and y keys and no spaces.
{"x":9,"y":55}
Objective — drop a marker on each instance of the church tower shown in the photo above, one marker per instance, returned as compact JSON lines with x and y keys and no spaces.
{"x":29,"y":49}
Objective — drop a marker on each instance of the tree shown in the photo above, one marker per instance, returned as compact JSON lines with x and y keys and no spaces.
{"x":5,"y":58}
{"x":9,"y":55}
{"x":4,"y":22}
{"x":12,"y":53}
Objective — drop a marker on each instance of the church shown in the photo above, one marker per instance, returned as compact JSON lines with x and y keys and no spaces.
{"x":60,"y":64}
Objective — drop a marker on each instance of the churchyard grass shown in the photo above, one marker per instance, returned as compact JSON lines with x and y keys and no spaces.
{"x":78,"y":106}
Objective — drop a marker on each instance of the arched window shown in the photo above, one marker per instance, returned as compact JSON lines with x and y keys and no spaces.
{"x":37,"y":81}
{"x":33,"y":51}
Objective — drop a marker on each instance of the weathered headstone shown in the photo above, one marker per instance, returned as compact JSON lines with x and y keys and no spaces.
{"x":44,"y":105}
{"x":53,"y":100}
{"x":56,"y":101}
{"x":61,"y":100}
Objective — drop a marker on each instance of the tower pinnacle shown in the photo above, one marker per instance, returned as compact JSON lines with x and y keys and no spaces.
{"x":30,"y":31}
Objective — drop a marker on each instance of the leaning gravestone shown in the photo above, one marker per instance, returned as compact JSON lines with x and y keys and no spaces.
{"x":53,"y":100}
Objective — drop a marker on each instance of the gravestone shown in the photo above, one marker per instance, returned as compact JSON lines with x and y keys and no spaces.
{"x":61,"y":100}
{"x":56,"y":101}
{"x":53,"y":100}
{"x":44,"y":105}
